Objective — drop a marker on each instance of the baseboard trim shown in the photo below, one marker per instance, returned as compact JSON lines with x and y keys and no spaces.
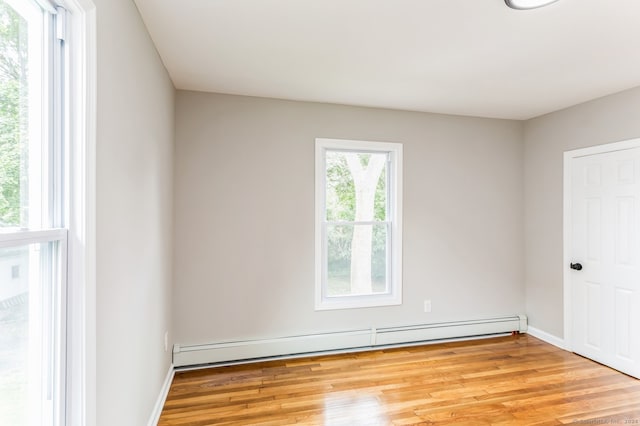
{"x":546,"y":337}
{"x":162,"y":397}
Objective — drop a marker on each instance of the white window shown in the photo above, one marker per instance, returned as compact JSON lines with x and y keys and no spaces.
{"x":37,"y":205}
{"x":358,"y":224}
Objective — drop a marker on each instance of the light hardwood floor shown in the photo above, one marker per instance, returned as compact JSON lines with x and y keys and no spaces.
{"x":500,"y":381}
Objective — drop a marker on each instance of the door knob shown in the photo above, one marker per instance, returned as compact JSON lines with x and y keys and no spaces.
{"x":576,"y":266}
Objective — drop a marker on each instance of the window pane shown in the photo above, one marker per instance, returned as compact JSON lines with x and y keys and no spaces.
{"x":28,"y":300}
{"x":20,"y":113}
{"x":356,"y":259}
{"x":356,"y":186}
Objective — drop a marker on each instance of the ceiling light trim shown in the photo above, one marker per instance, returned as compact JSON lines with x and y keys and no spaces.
{"x":528,"y":4}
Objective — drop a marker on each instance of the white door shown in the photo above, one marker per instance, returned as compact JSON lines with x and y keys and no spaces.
{"x":605,"y":242}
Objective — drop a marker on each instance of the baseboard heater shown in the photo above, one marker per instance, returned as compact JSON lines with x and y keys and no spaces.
{"x":213,"y":353}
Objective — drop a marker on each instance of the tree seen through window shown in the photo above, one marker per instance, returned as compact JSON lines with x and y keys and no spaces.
{"x":356,"y":214}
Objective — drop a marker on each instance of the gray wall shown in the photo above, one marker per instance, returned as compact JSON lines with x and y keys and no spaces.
{"x":609,"y":119}
{"x":135,"y":133}
{"x":243,"y":261}
{"x":244,"y":216}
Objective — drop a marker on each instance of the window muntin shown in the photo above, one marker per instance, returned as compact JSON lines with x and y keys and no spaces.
{"x":358,"y":224}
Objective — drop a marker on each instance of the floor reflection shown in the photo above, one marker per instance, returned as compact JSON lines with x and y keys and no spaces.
{"x":353,"y":408}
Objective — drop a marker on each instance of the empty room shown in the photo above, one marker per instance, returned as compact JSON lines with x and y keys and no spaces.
{"x":363,"y":212}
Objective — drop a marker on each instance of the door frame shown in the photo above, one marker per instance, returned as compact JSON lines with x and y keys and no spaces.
{"x":569,"y":156}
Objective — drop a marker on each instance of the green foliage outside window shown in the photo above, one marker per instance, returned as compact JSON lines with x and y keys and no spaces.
{"x":13,"y":112}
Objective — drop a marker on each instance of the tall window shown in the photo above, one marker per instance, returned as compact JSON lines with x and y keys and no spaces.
{"x":33,"y":238}
{"x":358,"y":224}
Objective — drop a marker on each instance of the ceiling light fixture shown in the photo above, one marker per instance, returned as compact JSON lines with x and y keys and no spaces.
{"x":528,"y":4}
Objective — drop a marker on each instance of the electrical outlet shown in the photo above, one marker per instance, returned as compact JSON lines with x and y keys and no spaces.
{"x":427,"y":305}
{"x":166,"y":341}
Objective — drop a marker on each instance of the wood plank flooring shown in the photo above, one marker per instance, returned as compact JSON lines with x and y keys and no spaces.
{"x":516,"y":380}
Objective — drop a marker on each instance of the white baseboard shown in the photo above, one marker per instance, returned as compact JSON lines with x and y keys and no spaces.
{"x":162,"y":397}
{"x":352,"y":340}
{"x":546,"y":337}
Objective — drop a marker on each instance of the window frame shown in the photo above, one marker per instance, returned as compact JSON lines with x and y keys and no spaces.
{"x":68,"y":204}
{"x":45,"y":224}
{"x":81,"y":137}
{"x":394,"y":216}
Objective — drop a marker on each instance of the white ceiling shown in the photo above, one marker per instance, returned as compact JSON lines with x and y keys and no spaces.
{"x":466,"y":57}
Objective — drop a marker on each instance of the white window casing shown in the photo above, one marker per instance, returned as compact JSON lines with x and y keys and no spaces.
{"x":393,"y":224}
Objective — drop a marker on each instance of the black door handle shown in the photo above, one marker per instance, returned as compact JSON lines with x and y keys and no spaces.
{"x":576,"y":266}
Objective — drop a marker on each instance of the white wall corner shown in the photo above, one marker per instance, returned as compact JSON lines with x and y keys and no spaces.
{"x":546,"y":337}
{"x":162,"y":397}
